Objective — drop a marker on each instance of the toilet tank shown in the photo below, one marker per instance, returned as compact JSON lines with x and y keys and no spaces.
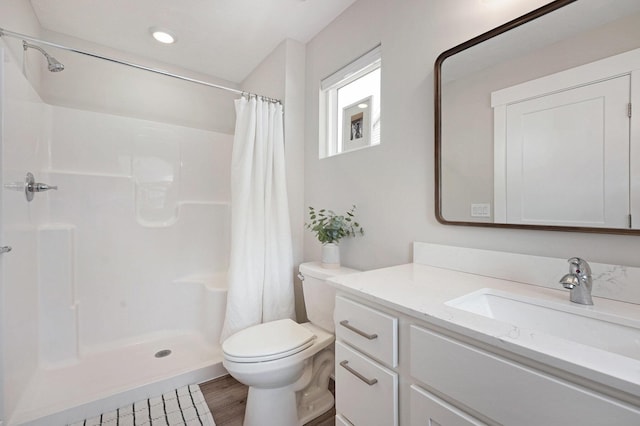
{"x":319,"y":296}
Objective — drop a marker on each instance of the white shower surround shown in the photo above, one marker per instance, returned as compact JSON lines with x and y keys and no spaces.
{"x":113,"y":283}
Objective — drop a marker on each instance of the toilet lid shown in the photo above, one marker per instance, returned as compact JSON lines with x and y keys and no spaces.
{"x":267,"y":341}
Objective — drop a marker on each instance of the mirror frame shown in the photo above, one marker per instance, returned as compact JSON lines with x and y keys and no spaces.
{"x":537,"y":13}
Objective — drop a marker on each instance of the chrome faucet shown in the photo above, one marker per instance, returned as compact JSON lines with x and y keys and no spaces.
{"x":579,"y":281}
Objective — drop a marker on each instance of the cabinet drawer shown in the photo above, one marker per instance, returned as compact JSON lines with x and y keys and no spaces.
{"x":361,"y":403}
{"x":505,"y":391}
{"x":428,"y":409}
{"x":370,"y":331}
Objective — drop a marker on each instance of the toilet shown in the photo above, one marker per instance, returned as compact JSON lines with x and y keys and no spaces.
{"x":287,"y":365}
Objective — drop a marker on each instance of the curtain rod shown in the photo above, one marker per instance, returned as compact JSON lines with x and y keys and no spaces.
{"x":4,"y":32}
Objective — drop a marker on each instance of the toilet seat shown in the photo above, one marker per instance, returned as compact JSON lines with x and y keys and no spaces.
{"x":267,"y":342}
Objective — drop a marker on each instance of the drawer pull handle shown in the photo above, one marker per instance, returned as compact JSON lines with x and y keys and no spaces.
{"x":370,"y":382}
{"x":348,"y":326}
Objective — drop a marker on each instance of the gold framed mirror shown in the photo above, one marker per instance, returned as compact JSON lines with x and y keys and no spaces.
{"x":534,"y":126}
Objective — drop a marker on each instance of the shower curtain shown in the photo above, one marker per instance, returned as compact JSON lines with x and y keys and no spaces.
{"x":260,"y":278}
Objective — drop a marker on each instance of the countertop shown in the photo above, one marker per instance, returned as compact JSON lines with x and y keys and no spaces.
{"x":421,"y":292}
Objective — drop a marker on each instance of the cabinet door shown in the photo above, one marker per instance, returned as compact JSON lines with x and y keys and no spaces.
{"x":366,"y":392}
{"x":429,"y":410}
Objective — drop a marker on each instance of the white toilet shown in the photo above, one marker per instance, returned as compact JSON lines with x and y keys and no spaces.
{"x":285,"y":364}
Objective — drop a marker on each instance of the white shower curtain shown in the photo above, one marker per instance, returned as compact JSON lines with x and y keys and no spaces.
{"x":261,"y":262}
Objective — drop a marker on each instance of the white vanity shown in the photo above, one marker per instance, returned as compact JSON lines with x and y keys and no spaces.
{"x":500,"y":343}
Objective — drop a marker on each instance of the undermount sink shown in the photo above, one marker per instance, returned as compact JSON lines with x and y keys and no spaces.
{"x":579,"y":324}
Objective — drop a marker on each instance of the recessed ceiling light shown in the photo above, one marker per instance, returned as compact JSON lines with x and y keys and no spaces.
{"x":363,"y":106}
{"x":162,"y":35}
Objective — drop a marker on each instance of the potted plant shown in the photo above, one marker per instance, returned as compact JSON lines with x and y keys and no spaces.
{"x":330,"y":228}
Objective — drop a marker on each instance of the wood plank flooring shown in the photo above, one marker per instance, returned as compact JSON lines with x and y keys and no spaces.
{"x":227,"y":399}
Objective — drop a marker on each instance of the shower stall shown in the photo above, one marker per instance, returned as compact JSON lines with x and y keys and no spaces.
{"x":114,"y":288}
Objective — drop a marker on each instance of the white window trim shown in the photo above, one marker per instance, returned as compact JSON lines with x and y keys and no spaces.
{"x":328,"y":95}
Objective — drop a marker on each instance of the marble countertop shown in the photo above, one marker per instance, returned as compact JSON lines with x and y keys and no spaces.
{"x":421,"y":291}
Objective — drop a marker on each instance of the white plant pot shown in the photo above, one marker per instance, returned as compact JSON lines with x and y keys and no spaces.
{"x":330,"y":256}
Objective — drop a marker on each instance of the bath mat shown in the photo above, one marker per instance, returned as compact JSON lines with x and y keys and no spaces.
{"x":183,"y":406}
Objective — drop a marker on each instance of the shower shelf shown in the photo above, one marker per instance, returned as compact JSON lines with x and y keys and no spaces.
{"x":213,"y":282}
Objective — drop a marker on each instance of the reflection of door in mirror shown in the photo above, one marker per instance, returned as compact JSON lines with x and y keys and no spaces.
{"x":561,"y":36}
{"x":562,"y":148}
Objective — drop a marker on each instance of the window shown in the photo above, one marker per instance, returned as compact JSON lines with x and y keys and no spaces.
{"x":350,"y":106}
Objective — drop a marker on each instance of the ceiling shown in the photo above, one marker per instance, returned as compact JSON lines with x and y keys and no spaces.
{"x":221,"y":38}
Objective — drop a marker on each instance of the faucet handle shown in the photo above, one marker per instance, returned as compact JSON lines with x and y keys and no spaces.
{"x":579,"y":281}
{"x":41,"y":187}
{"x":580,"y":265}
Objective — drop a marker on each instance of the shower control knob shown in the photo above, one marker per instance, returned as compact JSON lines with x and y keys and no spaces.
{"x":41,"y":187}
{"x":31,"y":186}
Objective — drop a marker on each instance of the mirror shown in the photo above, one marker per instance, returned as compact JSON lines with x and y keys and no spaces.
{"x":533,"y":122}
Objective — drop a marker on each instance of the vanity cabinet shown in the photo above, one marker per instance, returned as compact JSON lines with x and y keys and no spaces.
{"x":366,"y":354}
{"x":397,"y":369}
{"x":504,"y":390}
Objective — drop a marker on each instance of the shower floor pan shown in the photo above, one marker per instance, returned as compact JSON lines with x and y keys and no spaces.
{"x":106,"y":380}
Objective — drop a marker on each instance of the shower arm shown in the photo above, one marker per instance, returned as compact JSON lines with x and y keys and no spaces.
{"x":26,"y":46}
{"x":53,"y":64}
{"x":7,"y":33}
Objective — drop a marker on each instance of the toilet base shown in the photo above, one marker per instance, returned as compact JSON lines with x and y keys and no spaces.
{"x":279,"y":407}
{"x":320,"y":404}
{"x":295,"y":404}
{"x":271,"y":407}
{"x":316,"y":398}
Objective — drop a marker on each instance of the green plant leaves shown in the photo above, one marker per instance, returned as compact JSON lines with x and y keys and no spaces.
{"x":330,"y":227}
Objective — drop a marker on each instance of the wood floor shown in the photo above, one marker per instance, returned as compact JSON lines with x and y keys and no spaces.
{"x":227,"y":398}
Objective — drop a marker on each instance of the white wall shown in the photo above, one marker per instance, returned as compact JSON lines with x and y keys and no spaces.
{"x":18,"y":16}
{"x":21,"y":139}
{"x":129,"y":92}
{"x":102,"y":86}
{"x":23,"y":149}
{"x":393,"y":184}
{"x":146,"y":205}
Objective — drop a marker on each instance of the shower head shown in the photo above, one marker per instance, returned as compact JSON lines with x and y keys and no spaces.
{"x":54,"y":64}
